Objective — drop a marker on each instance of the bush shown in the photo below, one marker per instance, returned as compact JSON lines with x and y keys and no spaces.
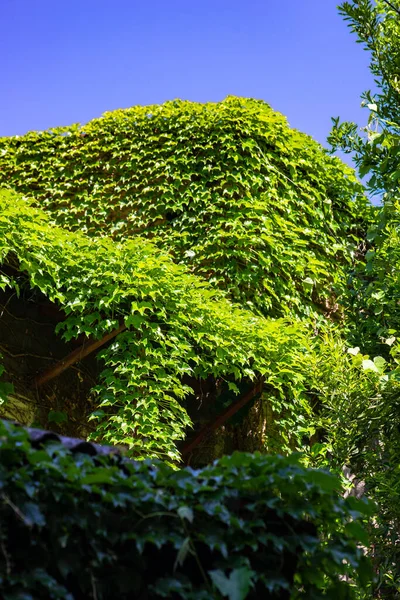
{"x":355,"y":400}
{"x":77,"y":526}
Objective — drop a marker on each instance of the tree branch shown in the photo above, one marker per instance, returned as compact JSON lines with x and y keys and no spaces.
{"x":397,"y":10}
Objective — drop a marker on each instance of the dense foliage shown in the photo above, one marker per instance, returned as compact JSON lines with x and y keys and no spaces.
{"x":198,"y":227}
{"x":374,"y":284}
{"x":228,"y":189}
{"x":359,"y":418}
{"x":248,"y":526}
{"x":176,"y":324}
{"x":375,"y":148}
{"x":264,"y":219}
{"x":373,"y":295}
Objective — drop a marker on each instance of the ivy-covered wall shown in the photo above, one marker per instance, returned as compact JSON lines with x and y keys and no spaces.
{"x":179,"y":329}
{"x":228,"y":189}
{"x":194,"y":227}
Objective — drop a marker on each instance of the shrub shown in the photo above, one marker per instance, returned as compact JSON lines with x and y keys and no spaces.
{"x":75,"y":526}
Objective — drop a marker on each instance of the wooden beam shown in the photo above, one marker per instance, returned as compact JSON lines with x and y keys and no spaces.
{"x":74,"y":357}
{"x":222,"y":418}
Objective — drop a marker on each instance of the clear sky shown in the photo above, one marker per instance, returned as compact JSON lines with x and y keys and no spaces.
{"x":67,"y":61}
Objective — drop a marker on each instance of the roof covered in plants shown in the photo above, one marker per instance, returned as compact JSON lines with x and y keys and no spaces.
{"x":204,"y":242}
{"x":228,"y":189}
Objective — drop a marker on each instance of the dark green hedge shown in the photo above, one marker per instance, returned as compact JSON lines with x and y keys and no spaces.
{"x":75,"y":526}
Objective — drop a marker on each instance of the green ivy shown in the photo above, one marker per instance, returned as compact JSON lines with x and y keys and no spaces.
{"x":248,"y":526}
{"x":177,"y":324}
{"x":228,"y":189}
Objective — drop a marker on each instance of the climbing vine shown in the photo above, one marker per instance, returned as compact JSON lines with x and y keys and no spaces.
{"x":176,"y":325}
{"x":228,"y":189}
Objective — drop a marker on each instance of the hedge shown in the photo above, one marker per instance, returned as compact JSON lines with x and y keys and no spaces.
{"x":76,"y":526}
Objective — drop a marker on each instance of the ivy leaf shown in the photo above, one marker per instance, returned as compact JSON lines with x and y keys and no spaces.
{"x":182,"y":553}
{"x":233,"y":387}
{"x":185,"y":512}
{"x":4,"y":281}
{"x":97,"y":414}
{"x":99,"y":476}
{"x":234,"y":587}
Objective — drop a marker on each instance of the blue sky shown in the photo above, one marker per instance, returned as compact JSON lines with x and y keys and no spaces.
{"x":67,"y":61}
